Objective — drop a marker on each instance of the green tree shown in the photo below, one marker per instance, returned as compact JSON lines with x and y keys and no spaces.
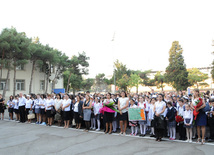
{"x":134,"y":81}
{"x":78,"y":66}
{"x":87,"y":84}
{"x":101,"y":83}
{"x":36,"y":51}
{"x":196,"y":77}
{"x":123,"y":83}
{"x":176,"y":73}
{"x":159,"y":80}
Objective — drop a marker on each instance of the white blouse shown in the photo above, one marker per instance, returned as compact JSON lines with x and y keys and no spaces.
{"x":97,"y":107}
{"x":159,"y":106}
{"x":28,"y":104}
{"x":188,"y":115}
{"x":48,"y":103}
{"x":65,"y":103}
{"x":57,"y":103}
{"x":76,"y":107}
{"x":15,"y":101}
{"x":123,"y":103}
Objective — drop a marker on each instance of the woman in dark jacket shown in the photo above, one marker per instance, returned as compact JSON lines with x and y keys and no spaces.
{"x":78,"y":113}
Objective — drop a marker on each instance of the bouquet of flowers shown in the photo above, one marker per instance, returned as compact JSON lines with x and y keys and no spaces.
{"x":179,"y":119}
{"x":110,"y":105}
{"x":198,"y":104}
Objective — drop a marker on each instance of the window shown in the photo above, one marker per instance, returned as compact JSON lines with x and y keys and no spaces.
{"x":20,"y":67}
{"x":3,"y":83}
{"x":20,"y":84}
{"x":42,"y":85}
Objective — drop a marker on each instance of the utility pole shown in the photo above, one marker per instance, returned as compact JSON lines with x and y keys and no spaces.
{"x":113,"y":63}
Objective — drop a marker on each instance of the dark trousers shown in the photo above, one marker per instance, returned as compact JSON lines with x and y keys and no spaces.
{"x":182,"y":131}
{"x":159,"y":133}
{"x":211,"y":125}
{"x":22,"y":113}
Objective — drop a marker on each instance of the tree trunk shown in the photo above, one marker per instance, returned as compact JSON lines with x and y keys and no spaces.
{"x":68,"y":82}
{"x":2,"y":65}
{"x":8,"y":74}
{"x":47,"y":82}
{"x":73,"y":91}
{"x":31,"y":78}
{"x":137,"y":89}
{"x":14,"y":78}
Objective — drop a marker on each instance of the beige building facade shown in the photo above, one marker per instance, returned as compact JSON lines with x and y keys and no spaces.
{"x":23,"y":75}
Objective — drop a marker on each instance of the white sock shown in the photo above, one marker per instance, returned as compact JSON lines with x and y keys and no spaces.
{"x":170,"y":132}
{"x":187,"y":133}
{"x":190,"y":132}
{"x":153,"y":130}
{"x":94,"y":122}
{"x":141,"y":129}
{"x":114,"y":125}
{"x":136,"y":128}
{"x":132,"y":129}
{"x":98,"y":124}
{"x":174,"y":132}
{"x":144,"y":129}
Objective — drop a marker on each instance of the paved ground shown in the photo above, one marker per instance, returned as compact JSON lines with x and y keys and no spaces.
{"x":22,"y":138}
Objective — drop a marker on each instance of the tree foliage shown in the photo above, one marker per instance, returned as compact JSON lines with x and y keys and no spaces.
{"x":196,"y":77}
{"x":176,"y":73}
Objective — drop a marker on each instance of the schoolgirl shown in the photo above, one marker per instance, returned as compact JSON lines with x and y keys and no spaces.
{"x":188,"y":119}
{"x":143,"y":124}
{"x":16,"y":108}
{"x":49,"y":103}
{"x":28,"y":106}
{"x":96,"y":106}
{"x":10,"y":107}
{"x":42,"y":109}
{"x":151,"y":116}
{"x":170,"y":117}
{"x":133,"y":124}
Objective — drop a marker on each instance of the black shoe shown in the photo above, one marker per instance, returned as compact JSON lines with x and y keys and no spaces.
{"x":152,"y":136}
{"x":140,"y":135}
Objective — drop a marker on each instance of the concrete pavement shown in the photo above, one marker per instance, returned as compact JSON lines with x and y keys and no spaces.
{"x":22,"y":138}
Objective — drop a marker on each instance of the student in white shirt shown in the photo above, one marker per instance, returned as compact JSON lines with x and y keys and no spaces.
{"x":49,"y":103}
{"x":15,"y":102}
{"x":66,"y":103}
{"x":10,"y":107}
{"x":42,"y":110}
{"x":96,"y":106}
{"x":180,"y":111}
{"x":151,"y":116}
{"x":159,"y":110}
{"x":37,"y":108}
{"x":28,"y":106}
{"x":188,"y":119}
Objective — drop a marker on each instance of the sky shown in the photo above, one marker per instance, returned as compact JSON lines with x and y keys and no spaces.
{"x":143,"y":30}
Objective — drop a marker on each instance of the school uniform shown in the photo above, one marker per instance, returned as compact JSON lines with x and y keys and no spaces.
{"x":48,"y":109}
{"x":66,"y":111}
{"x":188,"y":118}
{"x":78,"y":112}
{"x":16,"y":106}
{"x":211,"y":123}
{"x":28,"y":106}
{"x":171,"y":112}
{"x":11,"y":106}
{"x":42,"y":107}
{"x":181,"y":128}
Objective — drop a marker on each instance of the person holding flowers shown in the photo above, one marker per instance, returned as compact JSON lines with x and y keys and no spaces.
{"x":108,"y":113}
{"x":201,"y":119}
{"x":180,"y":120}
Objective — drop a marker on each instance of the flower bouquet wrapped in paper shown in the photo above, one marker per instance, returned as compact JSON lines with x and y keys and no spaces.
{"x":179,"y":119}
{"x":198,"y":103}
{"x":108,"y":107}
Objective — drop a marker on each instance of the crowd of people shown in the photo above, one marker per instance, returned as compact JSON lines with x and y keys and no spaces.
{"x":166,"y":113}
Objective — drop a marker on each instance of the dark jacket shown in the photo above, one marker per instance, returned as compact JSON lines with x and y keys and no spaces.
{"x":171,"y":114}
{"x":80,"y":111}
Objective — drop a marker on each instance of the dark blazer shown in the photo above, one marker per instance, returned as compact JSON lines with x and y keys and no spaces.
{"x":80,"y":111}
{"x":171,"y":114}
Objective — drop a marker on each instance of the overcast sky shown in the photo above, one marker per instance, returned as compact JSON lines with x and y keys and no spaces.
{"x":144,"y":30}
